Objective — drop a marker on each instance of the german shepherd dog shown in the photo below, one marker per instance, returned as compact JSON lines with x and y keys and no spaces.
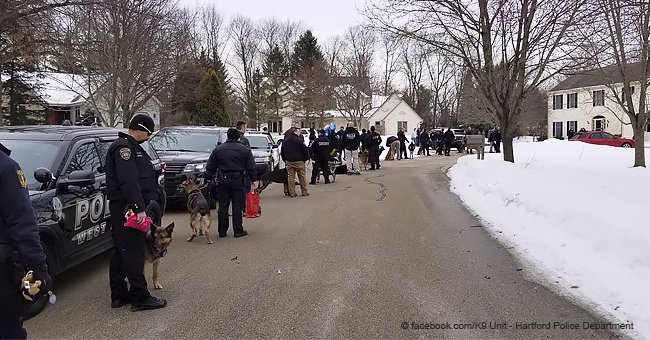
{"x":157,"y":240}
{"x":275,"y":176}
{"x":363,"y":159}
{"x":197,"y":205}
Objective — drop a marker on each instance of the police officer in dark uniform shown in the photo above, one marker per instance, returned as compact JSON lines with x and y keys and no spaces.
{"x":131,"y":183}
{"x":231,"y":162}
{"x":19,"y":236}
{"x":241,"y":127}
{"x":373,"y":148}
{"x":320,"y":150}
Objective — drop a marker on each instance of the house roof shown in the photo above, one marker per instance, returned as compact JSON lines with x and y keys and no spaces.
{"x":600,"y":76}
{"x":57,"y":89}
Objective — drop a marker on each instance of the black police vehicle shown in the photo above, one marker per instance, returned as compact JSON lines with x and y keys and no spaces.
{"x":186,"y":150}
{"x":64,"y":168}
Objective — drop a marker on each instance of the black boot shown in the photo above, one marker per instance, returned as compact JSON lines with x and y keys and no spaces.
{"x":148,"y":304}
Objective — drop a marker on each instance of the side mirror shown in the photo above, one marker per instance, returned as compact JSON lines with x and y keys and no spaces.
{"x":280,"y":141}
{"x":43,"y":175}
{"x":79,"y":178}
{"x":274,"y":146}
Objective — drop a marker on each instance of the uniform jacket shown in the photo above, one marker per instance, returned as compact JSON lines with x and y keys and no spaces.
{"x":424,"y":138}
{"x":365,"y":140}
{"x":294,"y":149}
{"x":449,"y":136}
{"x":351,"y":138}
{"x":320,"y":148}
{"x":18,"y":226}
{"x":232,"y":156}
{"x":375,"y":139}
{"x":390,"y":140}
{"x":130,"y":176}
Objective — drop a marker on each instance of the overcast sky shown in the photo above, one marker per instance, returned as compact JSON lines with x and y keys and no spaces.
{"x":325,"y":18}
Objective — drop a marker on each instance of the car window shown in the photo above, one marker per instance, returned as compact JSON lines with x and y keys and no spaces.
{"x":31,"y":155}
{"x":258,"y":141}
{"x":596,"y":135}
{"x":606,"y":135}
{"x":579,"y":135}
{"x":185,"y":140}
{"x":85,"y":158}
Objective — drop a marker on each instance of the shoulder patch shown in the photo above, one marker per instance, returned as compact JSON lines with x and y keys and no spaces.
{"x":21,"y":178}
{"x":125,"y":153}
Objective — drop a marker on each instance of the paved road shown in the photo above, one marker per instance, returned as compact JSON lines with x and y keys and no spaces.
{"x":356,"y":259}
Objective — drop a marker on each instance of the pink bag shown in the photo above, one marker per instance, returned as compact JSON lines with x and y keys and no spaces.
{"x":132,"y":222}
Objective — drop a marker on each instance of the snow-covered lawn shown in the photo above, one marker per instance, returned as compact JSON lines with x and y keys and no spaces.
{"x":577,"y":214}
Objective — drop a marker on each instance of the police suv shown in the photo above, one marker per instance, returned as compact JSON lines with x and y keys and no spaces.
{"x":64,"y":168}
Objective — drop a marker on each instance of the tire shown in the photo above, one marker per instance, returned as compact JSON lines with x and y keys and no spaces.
{"x":32,"y":308}
{"x":626,"y":145}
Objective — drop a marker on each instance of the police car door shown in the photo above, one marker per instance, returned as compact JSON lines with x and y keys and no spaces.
{"x":85,"y":208}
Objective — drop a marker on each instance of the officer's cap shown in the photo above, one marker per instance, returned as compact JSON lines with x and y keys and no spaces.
{"x":142,"y":122}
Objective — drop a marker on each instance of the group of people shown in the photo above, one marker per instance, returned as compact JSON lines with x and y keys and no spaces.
{"x":437,"y":140}
{"x":327,"y":145}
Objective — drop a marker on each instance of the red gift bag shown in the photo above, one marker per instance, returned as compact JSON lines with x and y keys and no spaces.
{"x":253,"y":205}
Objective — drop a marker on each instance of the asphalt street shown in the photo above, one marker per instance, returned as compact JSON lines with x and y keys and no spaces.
{"x":372,"y":256}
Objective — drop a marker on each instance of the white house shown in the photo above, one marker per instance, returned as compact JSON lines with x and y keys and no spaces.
{"x":66,"y":96}
{"x":393,"y":114}
{"x":589,"y":100}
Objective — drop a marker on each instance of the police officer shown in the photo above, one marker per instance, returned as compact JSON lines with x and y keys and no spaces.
{"x":373,"y":148}
{"x":231,"y":162}
{"x":320,"y":150}
{"x":131,"y":183}
{"x":241,"y":127}
{"x":18,"y":233}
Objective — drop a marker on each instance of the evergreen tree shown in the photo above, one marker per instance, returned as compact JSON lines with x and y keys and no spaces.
{"x":306,"y":52}
{"x":276,"y":71}
{"x":24,"y":106}
{"x":211,"y":104}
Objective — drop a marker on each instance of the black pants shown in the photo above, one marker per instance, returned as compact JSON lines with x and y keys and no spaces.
{"x":447,"y":148}
{"x":373,"y":157}
{"x":11,"y":321}
{"x":497,"y":146}
{"x":127,"y":258}
{"x":318,"y":166}
{"x":231,"y":190}
{"x":425,"y":147}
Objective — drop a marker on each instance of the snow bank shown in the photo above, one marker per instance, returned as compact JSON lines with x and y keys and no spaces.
{"x":577,"y":212}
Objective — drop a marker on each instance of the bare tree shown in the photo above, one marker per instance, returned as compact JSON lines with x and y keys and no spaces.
{"x":213,"y":31}
{"x":442,"y":72}
{"x":390,"y":57}
{"x":333,"y":54}
{"x":412,"y":65}
{"x":530,"y":41}
{"x":245,"y":41}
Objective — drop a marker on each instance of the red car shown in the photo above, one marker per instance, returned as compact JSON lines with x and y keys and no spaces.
{"x":602,"y":138}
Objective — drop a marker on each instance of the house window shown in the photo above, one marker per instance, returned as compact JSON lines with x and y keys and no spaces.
{"x":623,"y":93}
{"x":572,"y":101}
{"x":572,"y":125}
{"x":599,"y":98}
{"x":557,"y":129}
{"x":557,"y":102}
{"x":377,"y":123}
{"x":402,"y":125}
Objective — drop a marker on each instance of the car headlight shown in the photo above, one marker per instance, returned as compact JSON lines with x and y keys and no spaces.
{"x":262,"y":159}
{"x":198,"y":167}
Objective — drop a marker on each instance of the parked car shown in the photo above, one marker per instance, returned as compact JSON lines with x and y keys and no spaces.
{"x":265,"y":151}
{"x":186,"y":150}
{"x":602,"y":138}
{"x":64,"y":168}
{"x":459,"y":138}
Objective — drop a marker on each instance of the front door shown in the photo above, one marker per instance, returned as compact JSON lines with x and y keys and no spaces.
{"x":599,"y":124}
{"x":85,"y":208}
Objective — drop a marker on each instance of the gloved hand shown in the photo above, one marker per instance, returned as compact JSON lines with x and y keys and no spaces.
{"x":36,"y":283}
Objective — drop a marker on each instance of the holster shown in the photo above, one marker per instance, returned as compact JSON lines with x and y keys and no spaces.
{"x":219,"y":178}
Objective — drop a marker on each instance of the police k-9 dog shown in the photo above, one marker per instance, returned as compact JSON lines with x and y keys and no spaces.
{"x":275,"y":176}
{"x":363,"y":159}
{"x":197,"y":205}
{"x":157,"y":240}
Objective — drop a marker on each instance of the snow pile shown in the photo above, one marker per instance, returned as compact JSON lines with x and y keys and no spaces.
{"x":576,"y":212}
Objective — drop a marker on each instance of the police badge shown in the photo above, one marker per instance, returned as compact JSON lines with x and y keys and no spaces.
{"x":125,"y":153}
{"x":21,"y":178}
